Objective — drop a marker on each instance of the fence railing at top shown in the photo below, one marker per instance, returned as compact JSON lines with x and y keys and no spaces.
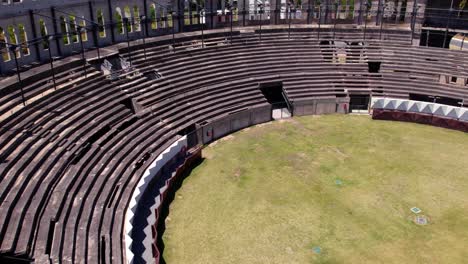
{"x":183,"y":20}
{"x":192,"y":19}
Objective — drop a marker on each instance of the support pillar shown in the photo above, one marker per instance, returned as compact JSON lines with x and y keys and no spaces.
{"x":34,"y":33}
{"x":95,"y":28}
{"x":179,"y":20}
{"x":111,"y":20}
{"x":54,"y":23}
{"x":145,"y":13}
{"x":358,"y":12}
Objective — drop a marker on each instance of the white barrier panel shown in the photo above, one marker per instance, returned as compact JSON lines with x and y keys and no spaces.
{"x":441,"y":110}
{"x":149,"y":174}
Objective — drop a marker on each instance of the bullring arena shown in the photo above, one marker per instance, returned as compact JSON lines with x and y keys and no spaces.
{"x":233,"y":131}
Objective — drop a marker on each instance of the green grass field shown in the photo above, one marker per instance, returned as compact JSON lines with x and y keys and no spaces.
{"x":342,"y":184}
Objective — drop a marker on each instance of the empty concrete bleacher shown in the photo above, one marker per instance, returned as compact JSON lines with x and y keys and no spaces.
{"x":71,"y":158}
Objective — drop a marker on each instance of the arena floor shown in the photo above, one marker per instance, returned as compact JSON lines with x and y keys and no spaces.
{"x":325,"y":189}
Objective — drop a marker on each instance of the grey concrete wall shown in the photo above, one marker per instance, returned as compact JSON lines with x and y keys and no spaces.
{"x":321,"y":106}
{"x":216,"y":129}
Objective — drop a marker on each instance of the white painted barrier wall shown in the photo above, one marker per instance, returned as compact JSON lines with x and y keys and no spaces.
{"x":149,"y":174}
{"x":441,"y":110}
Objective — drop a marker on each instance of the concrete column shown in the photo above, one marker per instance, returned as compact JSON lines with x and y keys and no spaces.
{"x":375,"y":11}
{"x":56,"y":33}
{"x":243,"y":8}
{"x":145,"y":13}
{"x":95,"y":29}
{"x":275,"y":9}
{"x":326,"y":11}
{"x":398,"y":12}
{"x":111,"y":20}
{"x":358,"y":12}
{"x":179,"y":19}
{"x":346,"y":13}
{"x":34,"y":35}
{"x":211,"y":7}
{"x":409,"y":11}
{"x":421,"y":4}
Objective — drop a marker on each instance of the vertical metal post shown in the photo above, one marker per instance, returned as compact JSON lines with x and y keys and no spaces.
{"x":463,"y":42}
{"x":289,"y":26}
{"x":427,"y":37}
{"x":379,"y":13}
{"x":202,"y":26}
{"x":413,"y":21}
{"x":54,"y":26}
{"x":173,"y":30}
{"x":326,"y":12}
{"x":334,"y":22}
{"x":243,"y":13}
{"x":97,"y":46}
{"x":145,"y":14}
{"x":34,"y":33}
{"x":111,"y":19}
{"x":448,"y":23}
{"x":143,"y":24}
{"x":80,"y":29}
{"x":365,"y":20}
{"x":51,"y":61}
{"x":211,"y":15}
{"x":13,"y":49}
{"x":128,"y":41}
{"x":231,"y":15}
{"x":261,"y":21}
{"x":319,"y":21}
{"x":381,"y":20}
{"x":95,"y":28}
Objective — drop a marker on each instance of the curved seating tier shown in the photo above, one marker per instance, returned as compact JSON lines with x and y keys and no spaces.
{"x":71,"y":158}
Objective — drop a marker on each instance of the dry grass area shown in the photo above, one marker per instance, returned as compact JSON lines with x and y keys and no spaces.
{"x":333,"y":189}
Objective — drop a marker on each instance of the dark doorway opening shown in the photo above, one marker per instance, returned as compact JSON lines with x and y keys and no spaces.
{"x":374,"y":66}
{"x":359,"y":103}
{"x":191,"y":133}
{"x":274,"y":94}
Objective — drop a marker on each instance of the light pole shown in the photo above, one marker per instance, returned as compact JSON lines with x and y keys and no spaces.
{"x":15,"y":48}
{"x":292,"y":9}
{"x":413,"y":21}
{"x":261,"y":21}
{"x":202,"y":18}
{"x":334,"y":22}
{"x":128,"y":40}
{"x":319,"y":20}
{"x":366,"y":4}
{"x":143,"y":25}
{"x":463,"y":42}
{"x":448,"y":23}
{"x":96,"y":28}
{"x":381,"y":21}
{"x":173,"y":13}
{"x":48,"y":39}
{"x":230,"y":8}
{"x":80,"y":31}
{"x":202,"y":15}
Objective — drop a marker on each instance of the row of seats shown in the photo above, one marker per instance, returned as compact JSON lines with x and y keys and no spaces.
{"x":70,"y":159}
